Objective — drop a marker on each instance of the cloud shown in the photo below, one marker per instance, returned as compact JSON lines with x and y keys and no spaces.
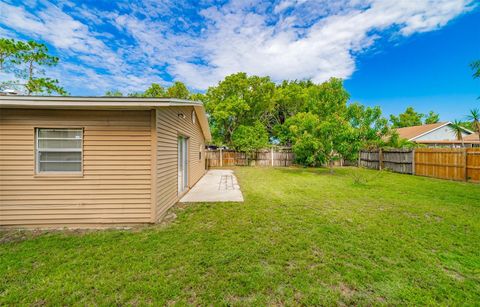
{"x":133,"y":43}
{"x":243,"y":40}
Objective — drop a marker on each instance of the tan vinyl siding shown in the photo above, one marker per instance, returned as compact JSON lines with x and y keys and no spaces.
{"x":169,"y":127}
{"x":115,"y":187}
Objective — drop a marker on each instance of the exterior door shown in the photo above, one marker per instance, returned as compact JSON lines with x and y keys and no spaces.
{"x":182,"y":164}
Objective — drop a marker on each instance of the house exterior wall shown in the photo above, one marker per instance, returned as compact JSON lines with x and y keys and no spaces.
{"x":114,"y":188}
{"x":441,"y":134}
{"x":170,"y":124}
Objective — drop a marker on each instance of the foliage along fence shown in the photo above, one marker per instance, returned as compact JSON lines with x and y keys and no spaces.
{"x":270,"y":157}
{"x":445,"y":163}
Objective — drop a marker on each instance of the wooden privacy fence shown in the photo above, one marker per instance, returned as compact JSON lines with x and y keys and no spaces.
{"x":448,"y":163}
{"x":270,"y":157}
{"x":398,"y":160}
{"x":445,"y":163}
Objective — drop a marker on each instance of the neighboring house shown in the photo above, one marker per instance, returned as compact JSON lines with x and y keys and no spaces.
{"x":438,"y":135}
{"x":97,"y":161}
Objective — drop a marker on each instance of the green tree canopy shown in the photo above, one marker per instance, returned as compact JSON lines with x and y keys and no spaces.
{"x":408,"y":118}
{"x":327,"y":98}
{"x":369,"y":128}
{"x":315,"y":141}
{"x":474,"y":118}
{"x":113,"y":93}
{"x":457,"y":128}
{"x":250,"y":138}
{"x":432,"y":118}
{"x":27,"y":62}
{"x":475,"y":65}
{"x":312,"y":118}
{"x":289,"y":98}
{"x":178,"y":90}
{"x":155,"y":90}
{"x":9,"y":52}
{"x":238,"y":100}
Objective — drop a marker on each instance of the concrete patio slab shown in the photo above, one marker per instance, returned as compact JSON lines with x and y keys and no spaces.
{"x":219,"y":185}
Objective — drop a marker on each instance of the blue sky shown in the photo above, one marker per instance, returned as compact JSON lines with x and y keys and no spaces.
{"x":392,"y":53}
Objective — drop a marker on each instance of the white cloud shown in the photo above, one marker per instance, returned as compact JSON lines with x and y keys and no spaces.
{"x":239,"y":40}
{"x":136,"y":43}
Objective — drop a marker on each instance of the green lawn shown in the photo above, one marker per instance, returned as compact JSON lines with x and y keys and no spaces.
{"x":303,"y":236}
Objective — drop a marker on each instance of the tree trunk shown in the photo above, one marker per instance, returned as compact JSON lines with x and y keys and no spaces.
{"x":30,"y":76}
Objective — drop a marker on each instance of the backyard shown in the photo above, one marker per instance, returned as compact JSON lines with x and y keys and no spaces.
{"x":302,"y":236}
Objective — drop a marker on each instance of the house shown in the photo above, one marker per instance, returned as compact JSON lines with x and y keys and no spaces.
{"x":438,"y":135}
{"x":97,"y":161}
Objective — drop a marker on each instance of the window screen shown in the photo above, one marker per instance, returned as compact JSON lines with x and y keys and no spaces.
{"x":59,"y":150}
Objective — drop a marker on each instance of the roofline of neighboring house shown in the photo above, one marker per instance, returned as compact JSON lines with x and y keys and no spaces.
{"x":449,"y":142}
{"x":433,"y":129}
{"x":92,"y":103}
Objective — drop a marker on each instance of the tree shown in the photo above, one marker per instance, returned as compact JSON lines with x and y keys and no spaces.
{"x":316,"y":142}
{"x":327,"y":98}
{"x":289,"y":98}
{"x":408,"y":118}
{"x":113,"y":93}
{"x":467,"y":125}
{"x":250,"y":138}
{"x":475,"y":65}
{"x":457,"y":128}
{"x":44,"y":85}
{"x":369,"y":128}
{"x":197,"y":97}
{"x":155,"y":90}
{"x":301,"y":131}
{"x":35,"y":57}
{"x":432,"y":118}
{"x":474,"y":117}
{"x":9,"y":50}
{"x":395,"y":141}
{"x":26,"y":61}
{"x":178,"y":90}
{"x":335,"y":136}
{"x":235,"y":101}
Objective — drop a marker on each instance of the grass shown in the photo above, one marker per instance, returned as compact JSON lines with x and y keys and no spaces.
{"x":302,"y":236}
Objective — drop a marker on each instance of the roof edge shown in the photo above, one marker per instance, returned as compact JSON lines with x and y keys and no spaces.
{"x":427,"y":132}
{"x":95,"y":103}
{"x":441,"y":126}
{"x":94,"y":99}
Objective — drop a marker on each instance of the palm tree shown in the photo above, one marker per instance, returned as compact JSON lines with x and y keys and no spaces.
{"x":474,"y":117}
{"x":456,"y":127}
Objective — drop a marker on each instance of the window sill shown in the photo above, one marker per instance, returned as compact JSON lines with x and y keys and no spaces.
{"x":58,"y":175}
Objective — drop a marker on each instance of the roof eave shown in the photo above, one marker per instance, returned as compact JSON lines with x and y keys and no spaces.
{"x":105,"y":103}
{"x":427,"y":132}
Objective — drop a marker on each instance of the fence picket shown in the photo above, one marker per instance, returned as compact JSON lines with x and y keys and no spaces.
{"x":445,"y":163}
{"x":275,"y":157}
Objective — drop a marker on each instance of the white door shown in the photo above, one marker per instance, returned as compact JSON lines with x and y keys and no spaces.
{"x":182,"y":164}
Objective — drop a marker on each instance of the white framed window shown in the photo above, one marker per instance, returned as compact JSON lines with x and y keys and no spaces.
{"x":58,"y":150}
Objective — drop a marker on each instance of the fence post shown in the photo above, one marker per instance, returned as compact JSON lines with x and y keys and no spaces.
{"x":271,"y":155}
{"x":413,"y":161}
{"x":465,"y":161}
{"x":221,"y":157}
{"x":359,"y":158}
{"x":380,"y":159}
